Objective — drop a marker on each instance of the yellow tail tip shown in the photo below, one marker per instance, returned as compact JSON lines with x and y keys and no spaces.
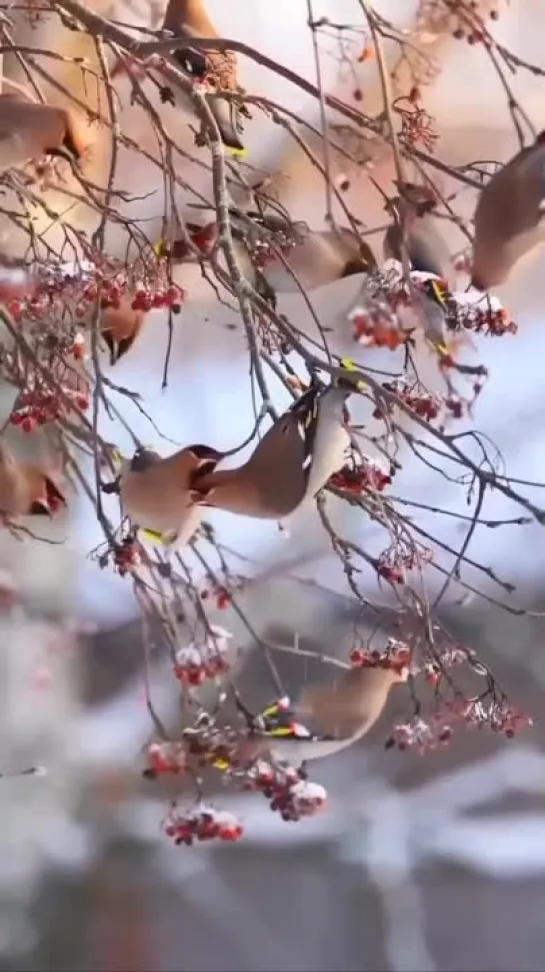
{"x":159,"y":248}
{"x":221,"y":764}
{"x":239,"y":153}
{"x":152,"y":535}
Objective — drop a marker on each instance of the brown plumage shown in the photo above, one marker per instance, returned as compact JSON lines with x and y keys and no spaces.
{"x":319,"y":258}
{"x":509,"y":215}
{"x":120,"y":327}
{"x":29,"y":130}
{"x":327,"y":717}
{"x":189,"y":19}
{"x":26,"y":488}
{"x":293,"y":461}
{"x":157,"y":493}
{"x":426,"y":248}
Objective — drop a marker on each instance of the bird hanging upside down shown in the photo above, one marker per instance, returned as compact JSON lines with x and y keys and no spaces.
{"x":326,"y":718}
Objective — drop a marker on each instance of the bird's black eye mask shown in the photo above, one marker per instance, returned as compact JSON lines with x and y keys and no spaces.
{"x":192,"y":62}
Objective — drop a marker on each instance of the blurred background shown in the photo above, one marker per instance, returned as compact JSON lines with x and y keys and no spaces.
{"x":433,"y":863}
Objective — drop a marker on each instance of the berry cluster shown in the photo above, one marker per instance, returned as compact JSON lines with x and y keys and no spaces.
{"x":202,"y":823}
{"x":433,"y":671}
{"x":40,"y":406}
{"x":124,"y":555}
{"x":422,"y":735}
{"x":419,"y":735}
{"x":377,"y":325}
{"x":289,"y":792}
{"x":488,"y":320}
{"x":223,"y":597}
{"x":197,"y":663}
{"x":165,"y":758}
{"x":395,"y":654}
{"x":146,"y":299}
{"x":79,"y":287}
{"x":190,"y":668}
{"x":420,"y":401}
{"x":366,"y":475}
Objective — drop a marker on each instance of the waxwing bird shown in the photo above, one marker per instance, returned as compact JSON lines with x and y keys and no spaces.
{"x":157,"y":493}
{"x":203,"y":238}
{"x":26,"y":489}
{"x":326,"y":718}
{"x":426,"y":248}
{"x":315,"y":257}
{"x":509,"y":216}
{"x":188,"y":19}
{"x":294,"y":460}
{"x":120,"y":326}
{"x":29,"y":130}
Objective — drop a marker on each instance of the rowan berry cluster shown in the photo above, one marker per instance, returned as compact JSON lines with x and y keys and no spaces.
{"x":287,"y":789}
{"x":200,"y":824}
{"x":365,"y":475}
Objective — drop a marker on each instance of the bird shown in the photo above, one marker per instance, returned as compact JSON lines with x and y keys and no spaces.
{"x":315,"y":258}
{"x":204,"y":239}
{"x":293,"y":462}
{"x":119,"y":327}
{"x":509,"y":216}
{"x":425,"y":247}
{"x":26,"y":489}
{"x":326,"y":718}
{"x":189,"y":19}
{"x":29,"y":130}
{"x":157,"y":493}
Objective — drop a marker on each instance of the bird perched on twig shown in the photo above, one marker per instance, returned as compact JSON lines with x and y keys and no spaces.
{"x":293,"y":461}
{"x":425,"y":247}
{"x":509,"y":216}
{"x":188,"y":19}
{"x":29,"y":130}
{"x":326,"y":718}
{"x":26,"y":489}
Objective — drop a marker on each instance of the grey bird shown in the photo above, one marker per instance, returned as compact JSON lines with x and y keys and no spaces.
{"x":509,"y":216}
{"x":189,"y":19}
{"x":326,"y":718}
{"x":426,"y":248}
{"x":292,"y":463}
{"x":316,"y":257}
